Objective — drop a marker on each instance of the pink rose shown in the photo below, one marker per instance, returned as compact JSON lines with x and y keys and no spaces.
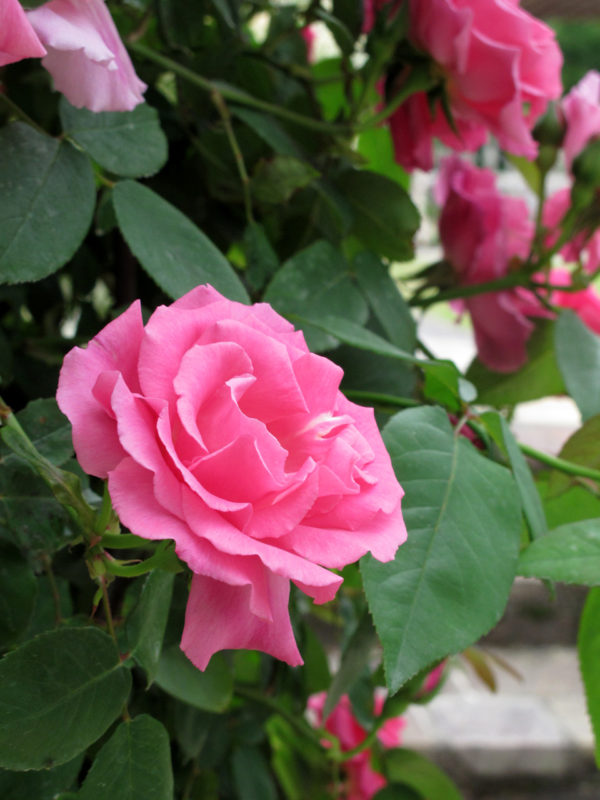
{"x":217,"y":428}
{"x":581,"y":111}
{"x":362,"y":780}
{"x":18,"y":40}
{"x":86,"y":57}
{"x":585,"y":303}
{"x":584,"y":246}
{"x":309,"y":37}
{"x":483,"y":233}
{"x":500,"y":66}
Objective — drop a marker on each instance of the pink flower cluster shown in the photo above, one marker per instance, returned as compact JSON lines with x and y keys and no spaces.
{"x":219,"y":429}
{"x":362,"y":781}
{"x":79,"y":46}
{"x":485,"y":235}
{"x":499,"y":68}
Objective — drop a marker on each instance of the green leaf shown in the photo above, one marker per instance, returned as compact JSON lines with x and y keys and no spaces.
{"x":397,"y":791}
{"x":530,"y":497}
{"x":44,"y":611}
{"x":375,"y":145}
{"x":581,"y":448}
{"x":135,"y":763}
{"x":570,"y":554}
{"x":450,"y":580}
{"x":355,"y":658}
{"x":315,"y":282}
{"x":58,"y":694}
{"x":570,"y":506}
{"x":529,"y":170}
{"x":385,"y":300}
{"x":30,"y":516}
{"x":385,"y":219}
{"x":146,"y":624}
{"x":410,"y":768}
{"x":172,"y":250}
{"x":46,"y":203}
{"x":261,"y":259}
{"x":251,"y":775}
{"x":269,"y":129}
{"x":210,"y":690}
{"x":588,"y":646}
{"x":128,"y":143}
{"x":18,"y":590}
{"x":539,"y":377}
{"x":275,"y":180}
{"x":43,"y":785}
{"x":48,"y":429}
{"x":578,"y":356}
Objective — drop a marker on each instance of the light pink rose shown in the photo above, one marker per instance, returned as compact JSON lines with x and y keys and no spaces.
{"x":217,"y":428}
{"x":484,"y":234}
{"x":585,"y":303}
{"x":581,"y":111}
{"x":500,"y":67}
{"x":86,"y":57}
{"x":362,"y":781}
{"x":18,"y":40}
{"x":584,"y":246}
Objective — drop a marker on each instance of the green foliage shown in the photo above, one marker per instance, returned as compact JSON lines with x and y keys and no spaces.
{"x":578,"y":356}
{"x":176,"y":254}
{"x":135,"y":762}
{"x":408,"y":767}
{"x":41,"y":177}
{"x":440,"y":592}
{"x":72,"y":676}
{"x":209,"y":690}
{"x":588,"y":644}
{"x":128,"y":143}
{"x":570,"y":554}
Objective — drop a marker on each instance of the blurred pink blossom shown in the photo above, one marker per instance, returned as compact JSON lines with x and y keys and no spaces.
{"x":484,"y":234}
{"x":585,"y":303}
{"x":583,"y":246}
{"x":581,"y":111}
{"x":18,"y":40}
{"x":362,"y":780}
{"x":500,"y":67}
{"x":85,"y":55}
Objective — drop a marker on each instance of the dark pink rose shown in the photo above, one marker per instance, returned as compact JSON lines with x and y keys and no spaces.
{"x":484,"y":234}
{"x":581,"y":111}
{"x":86,"y":57}
{"x":362,"y":781}
{"x":500,"y":67}
{"x":309,"y":36}
{"x":584,"y":246}
{"x":217,"y":428}
{"x":18,"y":40}
{"x":585,"y":303}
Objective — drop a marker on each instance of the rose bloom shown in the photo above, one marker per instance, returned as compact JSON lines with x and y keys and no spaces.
{"x":499,"y":66}
{"x":217,"y":428}
{"x":581,"y":112}
{"x":483,"y":233}
{"x":585,"y":303}
{"x":362,"y":780}
{"x":85,"y":55}
{"x":18,"y":40}
{"x":584,"y":246}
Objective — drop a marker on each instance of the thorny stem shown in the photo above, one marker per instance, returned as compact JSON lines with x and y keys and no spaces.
{"x":221,"y":106}
{"x":18,"y":112}
{"x":560,"y":463}
{"x":106,"y":605}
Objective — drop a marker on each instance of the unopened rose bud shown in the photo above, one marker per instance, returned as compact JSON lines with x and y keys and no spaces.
{"x":550,"y":128}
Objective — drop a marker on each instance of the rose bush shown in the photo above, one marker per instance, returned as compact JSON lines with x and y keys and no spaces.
{"x":499,"y":67}
{"x":362,"y":781}
{"x":484,"y":234}
{"x":86,"y":56}
{"x":217,"y":428}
